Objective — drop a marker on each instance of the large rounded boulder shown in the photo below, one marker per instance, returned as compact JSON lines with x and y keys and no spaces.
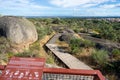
{"x":18,"y":30}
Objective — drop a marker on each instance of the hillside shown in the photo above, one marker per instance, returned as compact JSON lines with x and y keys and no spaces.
{"x":89,"y":51}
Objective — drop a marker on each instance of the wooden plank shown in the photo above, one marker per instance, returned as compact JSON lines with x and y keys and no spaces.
{"x":69,"y":60}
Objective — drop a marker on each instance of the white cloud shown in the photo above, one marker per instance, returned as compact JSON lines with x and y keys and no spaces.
{"x":110,"y":5}
{"x":20,"y":4}
{"x":89,"y":5}
{"x":74,"y":3}
{"x":21,"y":7}
{"x":65,"y":7}
{"x":97,"y":12}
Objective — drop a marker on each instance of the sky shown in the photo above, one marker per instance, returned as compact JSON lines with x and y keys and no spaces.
{"x":60,"y":7}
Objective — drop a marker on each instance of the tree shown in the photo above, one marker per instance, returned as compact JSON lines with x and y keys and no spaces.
{"x":88,"y":25}
{"x":56,"y":21}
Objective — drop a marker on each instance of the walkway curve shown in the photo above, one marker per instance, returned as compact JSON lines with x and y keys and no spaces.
{"x":69,"y":60}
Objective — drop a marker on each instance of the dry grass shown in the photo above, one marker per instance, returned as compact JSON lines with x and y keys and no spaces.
{"x":3,"y":62}
{"x":86,"y":52}
{"x":42,"y":51}
{"x":42,"y":43}
{"x":96,"y":32}
{"x":78,"y":36}
{"x":61,"y":43}
{"x":85,"y":56}
{"x":111,"y":77}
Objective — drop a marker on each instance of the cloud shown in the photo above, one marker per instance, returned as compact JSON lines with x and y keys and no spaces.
{"x":96,"y":12}
{"x":59,"y":7}
{"x":89,"y":5}
{"x":110,"y":5}
{"x":21,"y":7}
{"x":20,"y":4}
{"x":75,"y":3}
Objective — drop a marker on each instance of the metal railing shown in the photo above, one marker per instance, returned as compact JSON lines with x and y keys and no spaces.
{"x":68,"y":74}
{"x":71,"y":74}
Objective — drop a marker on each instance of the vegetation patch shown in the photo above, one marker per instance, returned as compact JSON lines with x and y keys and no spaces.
{"x":100,"y":57}
{"x":76,"y":44}
{"x":116,"y":54}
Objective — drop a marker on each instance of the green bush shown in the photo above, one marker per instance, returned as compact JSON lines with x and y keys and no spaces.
{"x":87,"y":43}
{"x":27,"y":54}
{"x":5,"y":49}
{"x":100,"y":57}
{"x":32,"y":52}
{"x":50,"y":59}
{"x":75,"y":45}
{"x":3,"y":57}
{"x":116,"y":53}
{"x":42,"y":26}
{"x":4,"y":45}
{"x":56,"y":20}
{"x":34,"y":49}
{"x":42,"y":31}
{"x":10,"y":54}
{"x":35,"y":46}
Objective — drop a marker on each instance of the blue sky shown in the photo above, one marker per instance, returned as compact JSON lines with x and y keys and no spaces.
{"x":60,"y":7}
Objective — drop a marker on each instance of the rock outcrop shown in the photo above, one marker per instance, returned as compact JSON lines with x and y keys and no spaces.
{"x":20,"y":31}
{"x":67,"y":35}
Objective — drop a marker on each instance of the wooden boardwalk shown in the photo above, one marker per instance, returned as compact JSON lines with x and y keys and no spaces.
{"x":69,"y":60}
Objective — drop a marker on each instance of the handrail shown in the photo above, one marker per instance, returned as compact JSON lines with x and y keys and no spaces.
{"x":96,"y":73}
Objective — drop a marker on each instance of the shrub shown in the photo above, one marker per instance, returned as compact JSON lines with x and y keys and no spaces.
{"x":100,"y":57}
{"x":42,"y":31}
{"x":75,"y":45}
{"x":32,"y":52}
{"x":35,"y":46}
{"x":4,"y":45}
{"x":10,"y":54}
{"x":3,"y":57}
{"x":50,"y":59}
{"x":27,"y":54}
{"x":56,"y":21}
{"x":88,"y":43}
{"x":116,"y":53}
{"x":5,"y":49}
{"x":76,"y":30}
